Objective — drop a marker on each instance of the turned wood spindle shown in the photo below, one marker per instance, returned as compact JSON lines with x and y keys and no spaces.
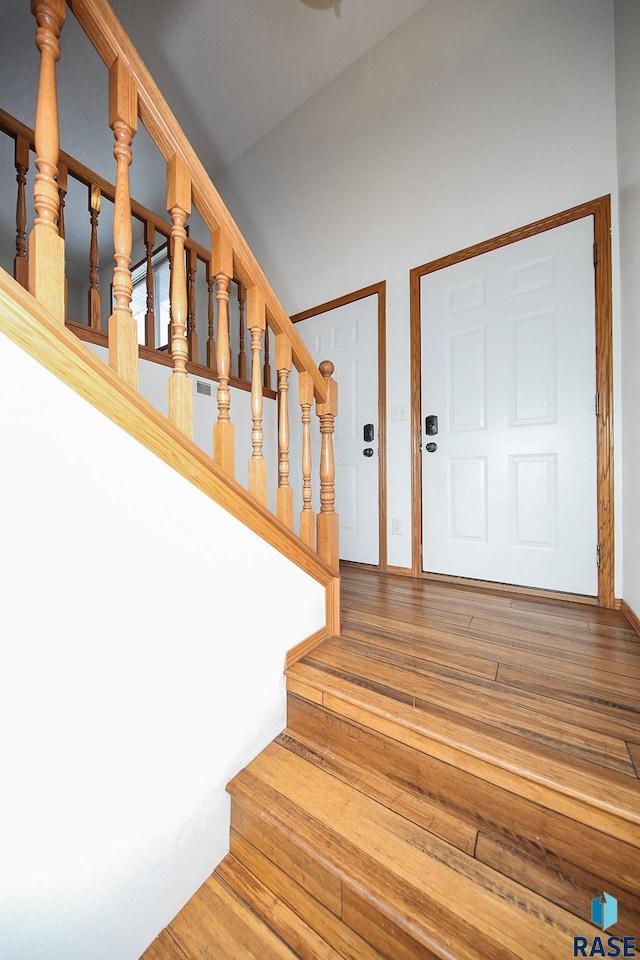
{"x":63,"y":182}
{"x":179,"y":206}
{"x":123,"y":120}
{"x":256,"y":321}
{"x":327,"y":519}
{"x":223,"y":430}
{"x":267,"y":365}
{"x":307,"y":517}
{"x":149,"y":317}
{"x":192,"y":335}
{"x":284,"y":494}
{"x":170,"y":259}
{"x":20,"y":263}
{"x":94,"y":259}
{"x":46,"y":247}
{"x":242,"y":359}
{"x":211,"y":343}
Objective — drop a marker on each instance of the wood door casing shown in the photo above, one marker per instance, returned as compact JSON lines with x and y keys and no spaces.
{"x":600,"y":209}
{"x":380,"y":291}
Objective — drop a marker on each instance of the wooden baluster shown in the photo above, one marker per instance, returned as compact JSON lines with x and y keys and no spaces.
{"x":63,"y":177}
{"x":63,"y":182}
{"x":267,"y":366}
{"x":223,"y":430}
{"x":327,"y":519}
{"x":256,"y":322}
{"x":94,"y":259}
{"x":242,"y":359}
{"x":170,"y":259}
{"x":46,"y":247}
{"x":284,"y":495}
{"x":123,"y":120}
{"x":149,"y":317}
{"x":307,"y":518}
{"x":211,"y":343}
{"x":20,"y":263}
{"x":179,"y":206}
{"x":192,"y":334}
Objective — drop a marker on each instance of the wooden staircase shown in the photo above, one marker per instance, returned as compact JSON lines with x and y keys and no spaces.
{"x":384,"y":823}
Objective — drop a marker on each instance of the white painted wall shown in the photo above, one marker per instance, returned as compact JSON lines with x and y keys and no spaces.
{"x":143,"y":645}
{"x":627,"y":19}
{"x":468,"y":120}
{"x":154,"y":387}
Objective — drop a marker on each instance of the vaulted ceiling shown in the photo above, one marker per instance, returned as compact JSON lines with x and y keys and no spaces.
{"x":231,"y":70}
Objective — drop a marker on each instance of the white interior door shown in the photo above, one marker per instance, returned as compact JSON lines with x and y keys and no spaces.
{"x":508,"y":367}
{"x":348,"y":336}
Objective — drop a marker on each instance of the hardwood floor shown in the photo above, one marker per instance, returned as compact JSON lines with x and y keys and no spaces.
{"x":458,"y":779}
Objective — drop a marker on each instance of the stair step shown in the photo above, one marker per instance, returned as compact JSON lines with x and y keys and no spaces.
{"x":407,"y":892}
{"x":216,"y":923}
{"x":282,"y":903}
{"x":559,"y":858}
{"x":605,"y":799}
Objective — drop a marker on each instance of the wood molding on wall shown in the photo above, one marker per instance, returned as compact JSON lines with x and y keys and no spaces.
{"x":600,"y":210}
{"x":631,"y":616}
{"x":379,"y":290}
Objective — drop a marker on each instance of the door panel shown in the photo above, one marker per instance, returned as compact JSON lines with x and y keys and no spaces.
{"x":348,"y":336}
{"x":508,"y":366}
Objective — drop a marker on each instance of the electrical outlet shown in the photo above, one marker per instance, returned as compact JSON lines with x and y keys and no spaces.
{"x":396,"y":526}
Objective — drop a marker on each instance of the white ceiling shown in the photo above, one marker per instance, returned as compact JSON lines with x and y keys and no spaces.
{"x":233,"y":69}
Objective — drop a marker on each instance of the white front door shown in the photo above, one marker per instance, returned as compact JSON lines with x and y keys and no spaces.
{"x":508,"y":368}
{"x":348,"y":336}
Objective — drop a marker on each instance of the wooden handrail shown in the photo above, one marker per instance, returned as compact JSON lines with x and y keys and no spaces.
{"x":112,"y":43}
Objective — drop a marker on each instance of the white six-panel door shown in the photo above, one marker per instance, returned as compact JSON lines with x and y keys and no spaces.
{"x":348,"y":336}
{"x":508,"y":367}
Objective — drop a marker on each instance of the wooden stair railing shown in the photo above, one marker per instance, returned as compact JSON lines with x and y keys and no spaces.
{"x":156,"y":234}
{"x":133,"y":95}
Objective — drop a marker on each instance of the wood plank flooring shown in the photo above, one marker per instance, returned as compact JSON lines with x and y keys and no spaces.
{"x":458,"y":779}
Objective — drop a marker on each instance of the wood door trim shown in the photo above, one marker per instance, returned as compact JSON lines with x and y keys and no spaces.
{"x":379,"y":290}
{"x":600,"y":209}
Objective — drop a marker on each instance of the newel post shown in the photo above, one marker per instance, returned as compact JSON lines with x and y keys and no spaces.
{"x":327,"y":519}
{"x":46,"y":246}
{"x":123,"y":120}
{"x":179,"y":206}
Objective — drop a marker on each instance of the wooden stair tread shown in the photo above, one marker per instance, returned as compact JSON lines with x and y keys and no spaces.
{"x":432,"y":891}
{"x":215,"y":923}
{"x":609,"y":801}
{"x":559,"y":858}
{"x":282,"y":903}
{"x":512,"y":710}
{"x":164,"y":947}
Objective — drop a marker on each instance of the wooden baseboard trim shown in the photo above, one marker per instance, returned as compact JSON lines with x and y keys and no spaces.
{"x":487,"y":586}
{"x":401,"y":571}
{"x":533,"y":593}
{"x":630,"y":615}
{"x":305,"y":646}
